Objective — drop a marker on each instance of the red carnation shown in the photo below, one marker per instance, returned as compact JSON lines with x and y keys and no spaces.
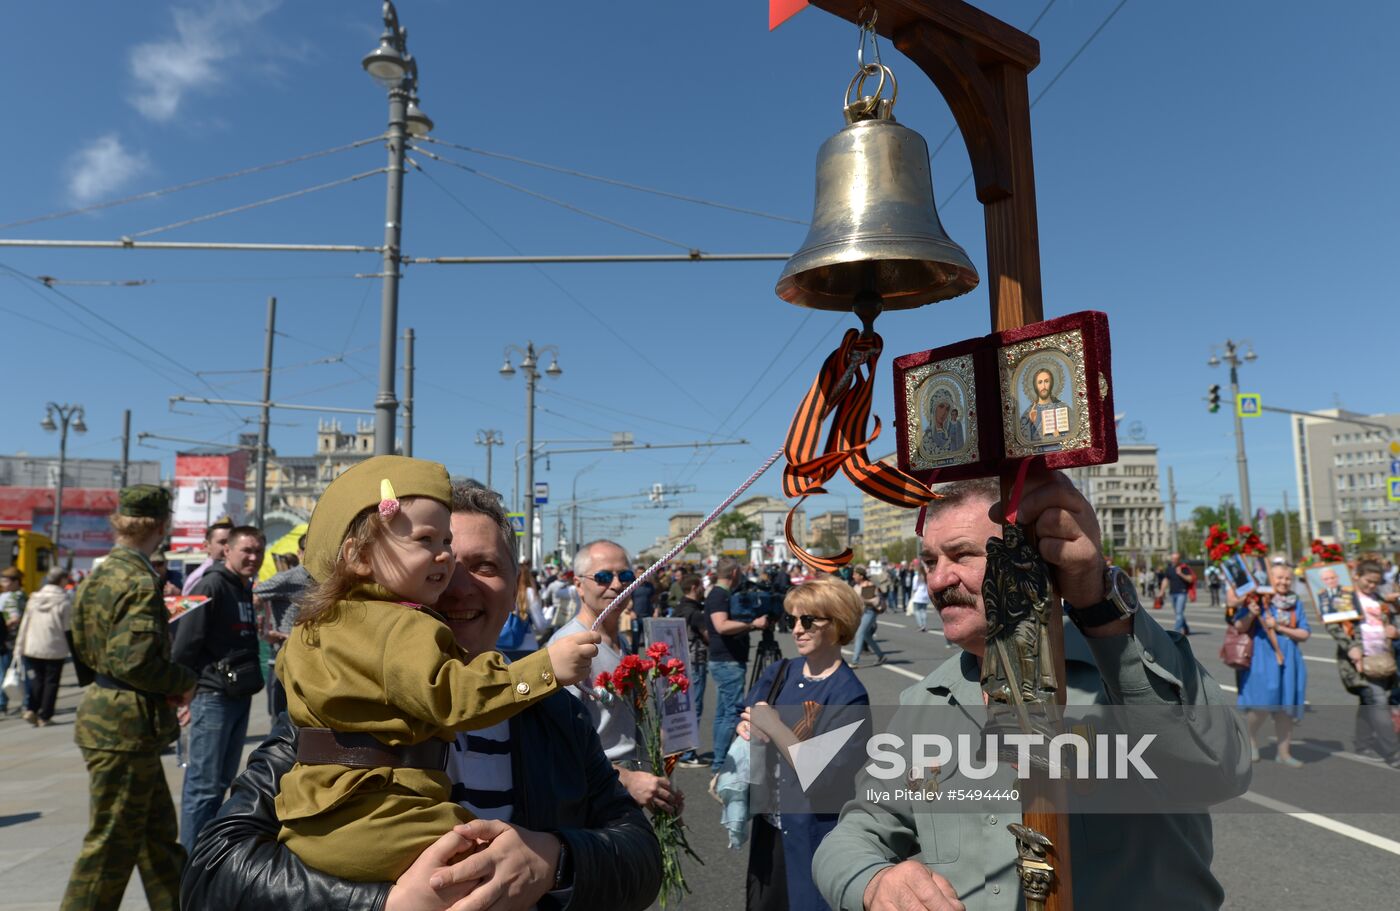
{"x":647,"y":666}
{"x":681,"y":682}
{"x":674,"y":666}
{"x":602,"y":680}
{"x":658,"y":650}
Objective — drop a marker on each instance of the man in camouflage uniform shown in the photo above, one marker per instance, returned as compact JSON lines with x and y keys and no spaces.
{"x":121,"y":629}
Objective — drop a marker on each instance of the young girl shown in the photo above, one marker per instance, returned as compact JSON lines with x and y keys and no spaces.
{"x":376,"y":683}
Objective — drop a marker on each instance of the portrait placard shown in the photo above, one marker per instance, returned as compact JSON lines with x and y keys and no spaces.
{"x":970,"y":409}
{"x":680,"y":730}
{"x":1332,"y":593}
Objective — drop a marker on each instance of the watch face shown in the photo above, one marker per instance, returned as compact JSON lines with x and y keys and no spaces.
{"x":1122,"y":591}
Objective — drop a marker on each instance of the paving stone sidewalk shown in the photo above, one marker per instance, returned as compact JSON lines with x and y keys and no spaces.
{"x":44,"y":803}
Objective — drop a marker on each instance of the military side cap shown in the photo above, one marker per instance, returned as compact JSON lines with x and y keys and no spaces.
{"x":144,"y":501}
{"x":360,"y":488}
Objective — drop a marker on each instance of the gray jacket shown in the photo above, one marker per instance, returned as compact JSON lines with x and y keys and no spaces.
{"x":1115,"y":856}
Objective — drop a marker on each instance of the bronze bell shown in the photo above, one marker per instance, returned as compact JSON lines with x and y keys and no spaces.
{"x":875,"y":232}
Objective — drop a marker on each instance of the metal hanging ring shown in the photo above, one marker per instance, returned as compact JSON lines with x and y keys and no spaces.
{"x":857,"y":84}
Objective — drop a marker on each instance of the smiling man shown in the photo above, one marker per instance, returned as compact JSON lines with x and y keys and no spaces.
{"x":562,"y":831}
{"x":603,"y":571}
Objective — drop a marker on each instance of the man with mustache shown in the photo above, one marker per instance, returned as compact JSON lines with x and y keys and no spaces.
{"x":884,"y":857}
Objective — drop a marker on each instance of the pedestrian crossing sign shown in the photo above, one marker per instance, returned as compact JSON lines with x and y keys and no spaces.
{"x":517,"y":522}
{"x":1248,"y":404}
{"x":1392,"y":488}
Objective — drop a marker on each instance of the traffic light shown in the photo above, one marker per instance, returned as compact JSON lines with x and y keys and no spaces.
{"x":1213,"y":398}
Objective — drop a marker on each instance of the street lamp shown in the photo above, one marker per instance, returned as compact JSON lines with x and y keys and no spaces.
{"x":529,"y":362}
{"x":393,"y":67}
{"x":1233,"y":358}
{"x":67,"y":415}
{"x":209,"y":487}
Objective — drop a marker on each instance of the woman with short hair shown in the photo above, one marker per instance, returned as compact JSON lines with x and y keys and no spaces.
{"x":42,"y":645}
{"x":823,"y":616}
{"x":1276,"y":681}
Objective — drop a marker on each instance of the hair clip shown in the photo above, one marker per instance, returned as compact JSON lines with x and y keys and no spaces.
{"x":388,"y":503}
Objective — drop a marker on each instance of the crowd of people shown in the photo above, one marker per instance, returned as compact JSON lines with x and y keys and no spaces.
{"x":411,"y":763}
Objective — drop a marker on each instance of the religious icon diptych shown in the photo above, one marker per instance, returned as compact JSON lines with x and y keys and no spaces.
{"x":969,"y":409}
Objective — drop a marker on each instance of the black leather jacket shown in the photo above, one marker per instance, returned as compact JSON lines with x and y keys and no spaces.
{"x":563,"y":784}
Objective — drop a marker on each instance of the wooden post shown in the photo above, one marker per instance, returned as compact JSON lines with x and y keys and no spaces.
{"x":980,"y":65}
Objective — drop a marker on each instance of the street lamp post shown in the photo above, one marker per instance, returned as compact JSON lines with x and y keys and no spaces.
{"x":393,"y":67}
{"x":529,"y":362}
{"x":66,"y":414}
{"x":1233,"y":358}
{"x":489,"y":439}
{"x":209,"y":487}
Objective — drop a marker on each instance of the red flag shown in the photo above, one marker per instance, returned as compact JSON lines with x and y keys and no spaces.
{"x":780,"y":11}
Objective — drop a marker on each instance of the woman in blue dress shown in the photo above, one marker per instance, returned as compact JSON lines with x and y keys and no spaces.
{"x":1276,"y":681}
{"x":813,"y":693}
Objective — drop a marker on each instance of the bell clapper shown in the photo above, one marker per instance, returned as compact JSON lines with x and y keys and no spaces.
{"x":866,"y":307}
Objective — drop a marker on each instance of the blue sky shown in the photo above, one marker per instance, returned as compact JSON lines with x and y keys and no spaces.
{"x":1204,"y":171}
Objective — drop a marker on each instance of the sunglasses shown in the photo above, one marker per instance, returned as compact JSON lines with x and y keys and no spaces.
{"x":605,"y":577}
{"x":807,"y":621}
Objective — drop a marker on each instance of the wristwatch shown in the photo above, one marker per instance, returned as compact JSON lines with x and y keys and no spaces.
{"x":564,"y":871}
{"x":1120,"y":600}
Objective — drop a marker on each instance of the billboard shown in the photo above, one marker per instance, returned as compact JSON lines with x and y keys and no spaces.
{"x":207,"y":487}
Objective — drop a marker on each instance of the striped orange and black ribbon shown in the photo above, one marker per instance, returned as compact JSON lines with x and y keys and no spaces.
{"x":846,"y":443}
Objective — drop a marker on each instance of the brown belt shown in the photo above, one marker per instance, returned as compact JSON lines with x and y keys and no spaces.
{"x":321,"y":746}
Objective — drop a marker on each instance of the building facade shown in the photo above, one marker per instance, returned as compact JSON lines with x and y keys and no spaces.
{"x":1127,"y":496}
{"x":884,"y":525}
{"x":1342,"y":472}
{"x":29,"y":484}
{"x":295,"y":482}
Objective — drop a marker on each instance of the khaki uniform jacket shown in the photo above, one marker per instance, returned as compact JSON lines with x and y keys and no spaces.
{"x":121,"y":629}
{"x":395,"y":672}
{"x":1120,"y":860}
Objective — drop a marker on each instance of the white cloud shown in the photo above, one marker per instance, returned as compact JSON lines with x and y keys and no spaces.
{"x":103,"y":167}
{"x":165,"y":71}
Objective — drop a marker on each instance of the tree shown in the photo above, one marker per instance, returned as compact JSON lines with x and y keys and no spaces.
{"x":736,"y":525}
{"x":903,"y":550}
{"x":828,"y":543}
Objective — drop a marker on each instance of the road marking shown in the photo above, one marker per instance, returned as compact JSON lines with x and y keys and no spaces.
{"x":1354,"y":757}
{"x":1324,"y":822}
{"x":889,"y":667}
{"x":894,"y":623}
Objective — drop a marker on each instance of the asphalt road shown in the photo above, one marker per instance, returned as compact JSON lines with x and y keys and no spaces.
{"x":1268,"y":853}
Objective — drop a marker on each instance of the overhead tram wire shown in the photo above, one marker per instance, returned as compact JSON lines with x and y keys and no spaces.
{"x":611,"y":181}
{"x":823,"y":341}
{"x":584,"y":403}
{"x":579,"y":210}
{"x":189,"y":185}
{"x":99,"y":341}
{"x":162,"y":355}
{"x":719,"y":428}
{"x":1049,"y":85}
{"x":626,"y":343}
{"x":281,"y":197}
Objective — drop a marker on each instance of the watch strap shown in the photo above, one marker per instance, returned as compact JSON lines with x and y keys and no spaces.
{"x":1099,"y":614}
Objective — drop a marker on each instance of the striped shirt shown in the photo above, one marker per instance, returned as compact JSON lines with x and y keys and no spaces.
{"x":479,"y":767}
